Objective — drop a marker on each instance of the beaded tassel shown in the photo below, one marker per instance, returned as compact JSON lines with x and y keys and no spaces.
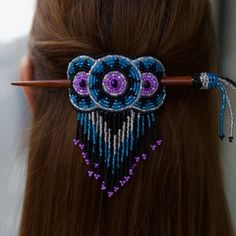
{"x":231,"y":84}
{"x":231,"y":118}
{"x":207,"y":81}
{"x":222,"y":112}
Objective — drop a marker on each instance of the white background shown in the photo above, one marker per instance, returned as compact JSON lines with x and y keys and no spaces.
{"x":15,"y":18}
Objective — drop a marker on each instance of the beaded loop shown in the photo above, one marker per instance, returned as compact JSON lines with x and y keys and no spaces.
{"x":114,"y":83}
{"x":153,"y":94}
{"x":77,"y":73}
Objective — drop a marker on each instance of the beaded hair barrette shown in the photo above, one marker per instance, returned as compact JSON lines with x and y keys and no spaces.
{"x":117,"y":99}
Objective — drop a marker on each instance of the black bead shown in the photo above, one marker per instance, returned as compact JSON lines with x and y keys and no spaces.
{"x":142,"y":66}
{"x":222,"y":137}
{"x":117,"y":63}
{"x":146,"y":84}
{"x":231,"y":139}
{"x":85,"y":66}
{"x":105,"y":65}
{"x":114,"y":84}
{"x":82,"y":84}
{"x":197,"y":84}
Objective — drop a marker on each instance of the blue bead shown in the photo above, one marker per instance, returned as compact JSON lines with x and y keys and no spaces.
{"x":105,"y":152}
{"x":100,"y":147}
{"x":113,"y":163}
{"x":149,"y":121}
{"x":138,"y":127}
{"x":108,"y":157}
{"x":85,"y":122}
{"x":223,"y":106}
{"x":143,"y":124}
{"x":213,"y":80}
{"x":89,"y":129}
{"x":123,"y":151}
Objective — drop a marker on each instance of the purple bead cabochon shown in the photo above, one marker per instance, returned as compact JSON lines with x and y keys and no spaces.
{"x":150,"y":84}
{"x":80,"y":83}
{"x":114,"y":83}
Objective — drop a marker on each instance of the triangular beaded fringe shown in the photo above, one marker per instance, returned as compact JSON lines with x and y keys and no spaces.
{"x":110,"y":145}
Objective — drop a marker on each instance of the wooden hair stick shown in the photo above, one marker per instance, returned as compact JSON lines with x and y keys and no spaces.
{"x":175,"y":81}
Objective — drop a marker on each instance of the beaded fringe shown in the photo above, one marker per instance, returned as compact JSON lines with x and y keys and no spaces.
{"x":110,"y":144}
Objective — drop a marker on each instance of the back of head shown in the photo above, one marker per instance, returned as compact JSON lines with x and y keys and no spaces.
{"x":179,"y":190}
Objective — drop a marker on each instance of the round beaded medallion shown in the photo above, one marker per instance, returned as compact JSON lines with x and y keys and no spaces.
{"x":153,"y":94}
{"x":114,"y":83}
{"x":78,"y":75}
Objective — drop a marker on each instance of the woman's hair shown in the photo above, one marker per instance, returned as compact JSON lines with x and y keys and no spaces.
{"x":179,"y":190}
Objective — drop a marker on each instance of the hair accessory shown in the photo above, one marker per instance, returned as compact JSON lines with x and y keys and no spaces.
{"x":117,"y":100}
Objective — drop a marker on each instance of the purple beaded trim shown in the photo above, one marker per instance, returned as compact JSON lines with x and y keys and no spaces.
{"x":114,"y":83}
{"x":80,"y":83}
{"x":95,"y":167}
{"x":150,"y":84}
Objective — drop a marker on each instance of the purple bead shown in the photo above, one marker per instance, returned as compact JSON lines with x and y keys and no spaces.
{"x":122,"y":183}
{"x":90,"y":173}
{"x":76,"y":142}
{"x":137,"y":159}
{"x":127,"y":178}
{"x":144,"y":156}
{"x":80,"y":83}
{"x":97,"y":176}
{"x":159,"y":142}
{"x":150,"y":84}
{"x":131,"y":172}
{"x":103,"y":187}
{"x":87,"y":162}
{"x":96,"y":165}
{"x":153,"y":147}
{"x":110,"y":194}
{"x":81,"y":146}
{"x":116,"y":189}
{"x":114,"y":83}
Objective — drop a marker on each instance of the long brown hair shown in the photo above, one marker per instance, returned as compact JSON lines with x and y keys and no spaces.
{"x":179,"y":191}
